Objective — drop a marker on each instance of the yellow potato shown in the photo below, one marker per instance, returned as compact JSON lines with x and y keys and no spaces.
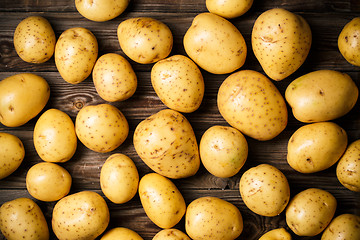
{"x":251,"y":103}
{"x":349,"y":41}
{"x":76,"y":52}
{"x":34,"y":39}
{"x":223,"y":150}
{"x":22,"y":97}
{"x":322,"y":95}
{"x":229,"y":8}
{"x":171,"y":234}
{"x":209,"y":45}
{"x":310,"y":211}
{"x":12,"y":154}
{"x":48,"y":182}
{"x":209,"y":218}
{"x":82,"y":215}
{"x":101,"y":10}
{"x":162,"y":201}
{"x":281,"y":41}
{"x":343,"y":227}
{"x":179,"y":83}
{"x":166,"y":142}
{"x":276,"y":234}
{"x":119,"y":178}
{"x":265,"y":190}
{"x":121,"y":233}
{"x":114,"y":78}
{"x":54,"y":136}
{"x":316,"y":147}
{"x":145,"y":40}
{"x":22,"y":218}
{"x":101,"y":128}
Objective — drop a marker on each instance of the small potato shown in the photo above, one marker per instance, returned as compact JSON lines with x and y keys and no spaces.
{"x":12,"y":154}
{"x":229,"y":8}
{"x":310,"y":211}
{"x":276,"y":234}
{"x":145,"y":40}
{"x":179,"y":83}
{"x":121,"y":233}
{"x":171,"y":234}
{"x":343,"y":227}
{"x":223,"y":151}
{"x":119,"y":178}
{"x":22,"y":218}
{"x":209,"y":218}
{"x":101,"y":10}
{"x":114,"y":78}
{"x":349,"y":42}
{"x":48,"y":182}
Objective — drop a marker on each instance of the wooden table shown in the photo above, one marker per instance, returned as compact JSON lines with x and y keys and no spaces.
{"x":326,"y":19}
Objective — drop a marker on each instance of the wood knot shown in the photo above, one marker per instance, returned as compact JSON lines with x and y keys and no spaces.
{"x":78,"y":104}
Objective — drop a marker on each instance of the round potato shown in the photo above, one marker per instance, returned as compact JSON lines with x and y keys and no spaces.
{"x":114,"y":78}
{"x":12,"y":154}
{"x":121,"y":233}
{"x":223,"y":151}
{"x":229,"y":8}
{"x":343,"y":227}
{"x":145,"y":40}
{"x":101,"y":10}
{"x":48,"y":182}
{"x":276,"y":234}
{"x":179,"y":83}
{"x":171,"y":234}
{"x":349,"y":41}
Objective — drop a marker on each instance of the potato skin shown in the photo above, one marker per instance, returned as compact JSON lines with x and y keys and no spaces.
{"x":276,"y":234}
{"x":101,"y":10}
{"x":344,"y":226}
{"x":121,"y":233}
{"x":12,"y":153}
{"x":170,"y":234}
{"x":229,"y":8}
{"x":349,"y":42}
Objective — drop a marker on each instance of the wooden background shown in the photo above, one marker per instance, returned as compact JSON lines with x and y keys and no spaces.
{"x":326,"y":19}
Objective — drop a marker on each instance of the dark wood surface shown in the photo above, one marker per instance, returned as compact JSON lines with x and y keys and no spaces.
{"x":326,"y":19}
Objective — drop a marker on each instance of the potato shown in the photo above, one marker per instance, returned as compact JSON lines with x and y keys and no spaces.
{"x":281,"y":41}
{"x":114,"y":78}
{"x":179,"y":83}
{"x":101,"y":128}
{"x":145,"y":40}
{"x":349,"y":41}
{"x":321,"y":95}
{"x":22,"y":97}
{"x":208,"y":44}
{"x":310,"y":211}
{"x":171,"y":234}
{"x":101,"y":10}
{"x":209,"y":218}
{"x":54,"y":136}
{"x":344,"y":226}
{"x":162,"y":201}
{"x":121,"y":233}
{"x":276,"y":234}
{"x":348,"y":167}
{"x":223,"y":150}
{"x":48,"y":182}
{"x":229,"y":8}
{"x":264,"y":190}
{"x":315,"y":147}
{"x":251,"y":103}
{"x":22,"y":218}
{"x":34,"y":40}
{"x":119,"y":178}
{"x":166,"y":142}
{"x":76,"y":52}
{"x":82,"y":215}
{"x":12,"y":154}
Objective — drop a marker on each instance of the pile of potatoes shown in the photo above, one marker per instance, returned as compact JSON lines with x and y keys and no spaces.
{"x":248,"y":101}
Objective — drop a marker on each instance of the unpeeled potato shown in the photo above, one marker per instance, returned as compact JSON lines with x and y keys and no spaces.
{"x":349,"y":41}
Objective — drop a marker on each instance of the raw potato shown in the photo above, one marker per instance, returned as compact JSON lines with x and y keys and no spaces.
{"x":22,"y":218}
{"x":145,"y":40}
{"x":101,"y":10}
{"x":12,"y":154}
{"x":54,"y":136}
{"x":82,"y":215}
{"x":223,"y":151}
{"x":121,"y":233}
{"x":229,"y":8}
{"x":310,"y":211}
{"x":101,"y":128}
{"x":276,"y":234}
{"x":166,"y":142}
{"x":343,"y":227}
{"x":179,"y":83}
{"x":76,"y":52}
{"x":119,"y":178}
{"x":48,"y":182}
{"x":22,"y":97}
{"x":281,"y":41}
{"x":315,"y":147}
{"x":34,"y":40}
{"x":114,"y":78}
{"x":348,"y":168}
{"x":171,"y":234}
{"x":321,"y":95}
{"x":162,"y":201}
{"x":209,"y":218}
{"x":349,"y":42}
{"x":265,"y":190}
{"x":251,"y":103}
{"x":208,"y":44}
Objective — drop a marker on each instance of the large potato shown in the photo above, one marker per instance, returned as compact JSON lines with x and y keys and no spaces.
{"x":251,"y":103}
{"x":22,"y":97}
{"x":281,"y":41}
{"x":349,"y":41}
{"x":229,"y":8}
{"x":276,"y":234}
{"x":208,"y":44}
{"x":170,"y":234}
{"x":12,"y":154}
{"x":121,"y":233}
{"x":343,"y":227}
{"x":101,"y":10}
